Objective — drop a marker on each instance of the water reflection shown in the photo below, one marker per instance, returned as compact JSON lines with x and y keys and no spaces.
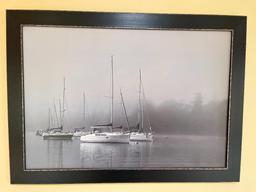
{"x":96,"y":155}
{"x":103,"y":155}
{"x":140,"y":153}
{"x":164,"y":151}
{"x":55,"y":152}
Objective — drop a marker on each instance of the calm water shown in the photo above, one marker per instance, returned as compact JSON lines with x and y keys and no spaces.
{"x":164,"y":151}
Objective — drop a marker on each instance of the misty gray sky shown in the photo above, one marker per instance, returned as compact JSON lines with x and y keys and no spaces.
{"x":175,"y":65}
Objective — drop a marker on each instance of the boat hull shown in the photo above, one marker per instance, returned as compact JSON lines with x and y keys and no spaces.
{"x":105,"y":138}
{"x":79,"y":134}
{"x":141,"y":137}
{"x":57,"y":136}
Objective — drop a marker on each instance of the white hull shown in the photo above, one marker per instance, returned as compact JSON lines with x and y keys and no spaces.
{"x":80,"y":133}
{"x":141,"y":136}
{"x":58,"y":135}
{"x":105,"y":138}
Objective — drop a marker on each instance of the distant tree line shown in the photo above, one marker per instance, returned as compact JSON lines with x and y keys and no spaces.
{"x":197,"y":118}
{"x":172,"y":117}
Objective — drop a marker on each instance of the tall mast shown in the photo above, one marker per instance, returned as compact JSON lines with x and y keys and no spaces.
{"x":140,"y":104}
{"x":63,"y":103}
{"x":126,"y":117}
{"x":112,"y":93}
{"x":84,"y":108}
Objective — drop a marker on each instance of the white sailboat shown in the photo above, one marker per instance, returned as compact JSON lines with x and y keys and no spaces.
{"x":58,"y":132}
{"x":99,"y":133}
{"x":141,"y":134}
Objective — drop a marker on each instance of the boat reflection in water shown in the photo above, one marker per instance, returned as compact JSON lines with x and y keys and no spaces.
{"x":57,"y":153}
{"x":140,"y":153}
{"x":107,"y":155}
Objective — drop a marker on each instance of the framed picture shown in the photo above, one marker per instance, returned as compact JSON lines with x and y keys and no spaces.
{"x":124,"y":97}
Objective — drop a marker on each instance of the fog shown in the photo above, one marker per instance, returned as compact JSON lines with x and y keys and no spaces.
{"x":185,"y":76}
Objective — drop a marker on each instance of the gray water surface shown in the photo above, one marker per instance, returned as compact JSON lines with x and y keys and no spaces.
{"x":166,"y":151}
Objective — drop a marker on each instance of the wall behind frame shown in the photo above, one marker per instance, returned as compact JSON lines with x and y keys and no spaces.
{"x":224,"y":7}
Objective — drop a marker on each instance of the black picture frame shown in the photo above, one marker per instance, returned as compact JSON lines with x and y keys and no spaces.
{"x":17,"y":18}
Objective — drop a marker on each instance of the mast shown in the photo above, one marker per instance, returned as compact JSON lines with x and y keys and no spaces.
{"x":84,"y":109}
{"x":141,"y":105}
{"x":63,"y":104}
{"x":126,"y":117}
{"x":112,"y":93}
{"x":60,"y":111}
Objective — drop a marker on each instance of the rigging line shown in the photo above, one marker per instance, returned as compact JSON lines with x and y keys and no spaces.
{"x":124,"y":109}
{"x":52,"y":119}
{"x":56,"y":114}
{"x":60,"y":110}
{"x":147,"y":114}
{"x":68,"y":119}
{"x":63,"y":100}
{"x":117,"y":81}
{"x":117,"y":78}
{"x":120,"y":88}
{"x":49,"y":119}
{"x":65,"y":108}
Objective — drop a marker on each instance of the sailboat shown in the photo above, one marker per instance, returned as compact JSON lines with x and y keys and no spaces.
{"x":40,"y":132}
{"x":141,"y":134}
{"x":98,"y":134}
{"x":58,"y":132}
